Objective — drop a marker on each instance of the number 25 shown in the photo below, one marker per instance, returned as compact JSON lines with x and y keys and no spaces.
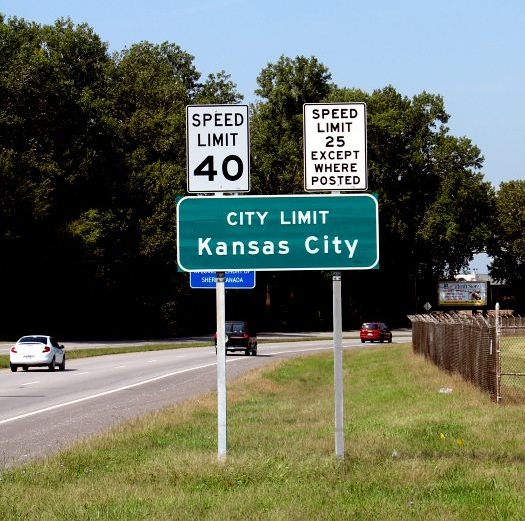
{"x":339,"y":141}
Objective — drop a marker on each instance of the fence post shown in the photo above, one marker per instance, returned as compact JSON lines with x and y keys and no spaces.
{"x":498,"y":355}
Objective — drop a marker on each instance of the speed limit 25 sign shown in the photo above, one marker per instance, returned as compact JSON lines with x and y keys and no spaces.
{"x":335,"y":152}
{"x":217,"y":148}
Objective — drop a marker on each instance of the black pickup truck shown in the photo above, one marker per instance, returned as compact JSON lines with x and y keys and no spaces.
{"x":240,"y":336}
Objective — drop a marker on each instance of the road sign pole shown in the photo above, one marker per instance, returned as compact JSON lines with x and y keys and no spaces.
{"x":221,"y":366}
{"x":338,"y":366}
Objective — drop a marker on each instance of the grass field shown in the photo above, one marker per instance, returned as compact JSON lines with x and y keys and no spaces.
{"x":411,"y":452}
{"x":513,"y":353}
{"x":513,"y":368}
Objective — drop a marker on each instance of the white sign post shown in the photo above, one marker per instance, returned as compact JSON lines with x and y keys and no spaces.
{"x":217,"y":148}
{"x":221,"y":368}
{"x":335,"y":156}
{"x":217,"y":161}
{"x":338,"y":366}
{"x":335,"y":159}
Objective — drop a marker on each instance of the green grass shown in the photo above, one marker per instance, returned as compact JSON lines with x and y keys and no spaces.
{"x":513,"y":361}
{"x":410,"y":453}
{"x":513,"y":353}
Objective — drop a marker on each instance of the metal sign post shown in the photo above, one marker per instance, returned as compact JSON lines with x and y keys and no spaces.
{"x":335,"y":160}
{"x":218,"y":161}
{"x":338,"y":366}
{"x":221,"y":366}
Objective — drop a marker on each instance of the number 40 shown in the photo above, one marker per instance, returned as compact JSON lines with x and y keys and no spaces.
{"x":207,"y":168}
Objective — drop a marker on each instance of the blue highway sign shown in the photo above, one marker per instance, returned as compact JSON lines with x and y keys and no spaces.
{"x":232,"y":279}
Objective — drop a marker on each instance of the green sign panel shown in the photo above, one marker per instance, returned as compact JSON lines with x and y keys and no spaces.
{"x":292,"y":232}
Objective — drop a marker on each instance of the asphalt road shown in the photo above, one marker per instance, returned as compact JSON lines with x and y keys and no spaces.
{"x":42,"y":412}
{"x":264,"y":337}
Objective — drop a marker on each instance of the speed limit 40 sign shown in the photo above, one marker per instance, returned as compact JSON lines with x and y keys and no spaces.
{"x":217,"y":148}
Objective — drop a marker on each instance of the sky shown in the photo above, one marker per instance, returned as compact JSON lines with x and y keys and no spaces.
{"x":471,"y":52}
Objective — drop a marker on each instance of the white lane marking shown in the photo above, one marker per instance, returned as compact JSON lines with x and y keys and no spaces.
{"x":30,"y":383}
{"x":104,"y":393}
{"x":119,"y":366}
{"x":151,"y":361}
{"x":78,"y":374}
{"x":138,"y":384}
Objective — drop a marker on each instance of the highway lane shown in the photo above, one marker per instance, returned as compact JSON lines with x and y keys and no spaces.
{"x":42,"y":412}
{"x":273,"y":337}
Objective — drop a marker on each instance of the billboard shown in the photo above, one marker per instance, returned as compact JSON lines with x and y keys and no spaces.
{"x":469,"y":294}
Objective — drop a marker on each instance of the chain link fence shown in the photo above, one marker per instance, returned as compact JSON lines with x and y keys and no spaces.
{"x":487,"y":351}
{"x":511,"y":333}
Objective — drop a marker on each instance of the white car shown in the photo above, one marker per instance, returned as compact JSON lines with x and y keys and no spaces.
{"x":37,"y":351}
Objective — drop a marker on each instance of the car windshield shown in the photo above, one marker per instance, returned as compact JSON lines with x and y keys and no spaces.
{"x":370,"y":326}
{"x":234,"y":327}
{"x":32,"y":340}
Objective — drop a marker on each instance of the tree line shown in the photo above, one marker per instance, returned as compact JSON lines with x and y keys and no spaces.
{"x":92,"y":159}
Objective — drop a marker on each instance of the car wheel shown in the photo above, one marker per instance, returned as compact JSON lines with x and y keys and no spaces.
{"x":381,"y":339}
{"x":13,"y":367}
{"x":390,"y":340}
{"x":247,"y":351}
{"x":362,"y":341}
{"x":51,"y":366}
{"x":25,"y":368}
{"x":62,"y":366}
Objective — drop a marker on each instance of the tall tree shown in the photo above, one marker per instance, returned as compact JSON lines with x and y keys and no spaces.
{"x":507,"y":245}
{"x":92,"y":158}
{"x":218,"y":89}
{"x":277,"y":168}
{"x":434,"y":204}
{"x":277,"y":123}
{"x":155,"y":83}
{"x":55,"y":153}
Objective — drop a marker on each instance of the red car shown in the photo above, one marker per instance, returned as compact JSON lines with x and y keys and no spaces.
{"x":375,"y":332}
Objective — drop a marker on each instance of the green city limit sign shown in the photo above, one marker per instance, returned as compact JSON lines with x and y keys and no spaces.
{"x":294,"y":232}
